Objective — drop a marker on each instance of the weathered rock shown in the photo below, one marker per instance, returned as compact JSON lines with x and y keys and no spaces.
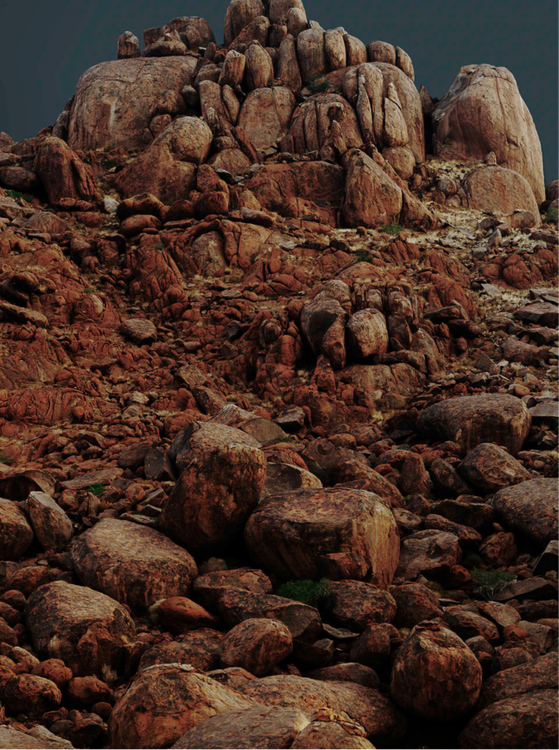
{"x":316,"y":121}
{"x":239,"y":14}
{"x":491,"y":468}
{"x":167,"y":168}
{"x":263,"y":726}
{"x":178,"y":614}
{"x":356,"y":604}
{"x":128,"y":46}
{"x":209,"y":587}
{"x":88,"y":630}
{"x":259,"y":71}
{"x":310,"y":53}
{"x":538,"y":674}
{"x":347,"y":672}
{"x":526,"y":721}
{"x":257,"y":645}
{"x":38,"y":737}
{"x":63,"y":173}
{"x":164,"y":702}
{"x":414,"y":603}
{"x":115,"y":101}
{"x":266,"y":114}
{"x":133,"y":564}
{"x":435,"y":675}
{"x":472,"y":420}
{"x":430,"y":552}
{"x":530,"y":508}
{"x":338,"y":533}
{"x":51,"y":525}
{"x":360,"y":704}
{"x":29,"y":694}
{"x":372,"y":199}
{"x":15,"y":532}
{"x":223,"y":473}
{"x":483,"y":112}
{"x":199,"y":648}
{"x":367,"y":334}
{"x":501,"y":191}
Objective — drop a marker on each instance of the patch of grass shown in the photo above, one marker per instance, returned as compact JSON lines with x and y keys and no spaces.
{"x":552,"y":215}
{"x":490,"y":582}
{"x":96,"y":488}
{"x":4,"y":459}
{"x":363,"y":256}
{"x":393,"y":229}
{"x":284,"y":439}
{"x":16,"y":194}
{"x":313,"y":593}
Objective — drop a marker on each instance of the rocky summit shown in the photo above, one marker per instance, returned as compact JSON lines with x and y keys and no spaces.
{"x":278,"y":401}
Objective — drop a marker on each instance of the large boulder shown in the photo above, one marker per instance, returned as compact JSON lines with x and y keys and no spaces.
{"x":501,"y":191}
{"x":435,"y":675}
{"x":335,"y":533}
{"x":223,"y":474}
{"x":165,"y":701}
{"x":257,"y":645}
{"x":193,"y":31}
{"x":63,"y":173}
{"x":530,"y":508}
{"x":263,"y":726}
{"x":483,"y":112}
{"x":491,"y":468}
{"x":50,"y":523}
{"x":472,"y":420}
{"x":167,"y":168}
{"x":266,"y":114}
{"x":116,"y":101}
{"x":368,"y":707}
{"x":313,"y":121}
{"x":88,"y":630}
{"x":133,"y":564}
{"x":372,"y":199}
{"x":525,"y":721}
{"x":15,"y":532}
{"x":537,"y":674}
{"x":239,"y":14}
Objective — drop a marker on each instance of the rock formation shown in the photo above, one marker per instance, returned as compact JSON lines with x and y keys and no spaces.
{"x":278,"y":401}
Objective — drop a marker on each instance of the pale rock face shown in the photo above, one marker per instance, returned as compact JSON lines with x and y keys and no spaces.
{"x":483,"y":112}
{"x":395,"y":128}
{"x":311,"y":126}
{"x":288,"y":66}
{"x":500,"y":190}
{"x":115,"y":101}
{"x":311,"y":54}
{"x":259,"y":68}
{"x":266,"y":114}
{"x":239,"y":14}
{"x":367,"y":334}
{"x":372,"y":198}
{"x":335,"y":49}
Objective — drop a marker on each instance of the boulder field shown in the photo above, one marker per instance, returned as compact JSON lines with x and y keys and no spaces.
{"x":278,"y":401}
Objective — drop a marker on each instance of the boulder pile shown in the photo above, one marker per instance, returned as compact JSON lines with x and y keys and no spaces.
{"x":278,"y":401}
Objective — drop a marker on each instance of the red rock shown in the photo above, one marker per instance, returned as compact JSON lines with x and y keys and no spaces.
{"x":530,"y":508}
{"x":209,"y":587}
{"x":257,"y":645}
{"x":15,"y":532}
{"x":435,"y":675}
{"x":415,"y":603}
{"x":30,"y":695}
{"x":356,"y":604}
{"x":180,"y":615}
{"x":372,"y":648}
{"x":86,"y":691}
{"x":63,"y":174}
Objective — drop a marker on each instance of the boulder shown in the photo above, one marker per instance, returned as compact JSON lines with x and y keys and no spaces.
{"x":310,"y":53}
{"x":51,"y":525}
{"x":530,"y":508}
{"x":538,"y":674}
{"x":288,"y":71}
{"x":165,"y":701}
{"x":314,"y":122}
{"x":525,"y":721}
{"x":491,"y":468}
{"x":128,"y":46}
{"x":414,"y":603}
{"x":430,"y":552}
{"x":257,"y":645}
{"x":472,"y":420}
{"x":133,"y":564}
{"x":501,"y":191}
{"x":483,"y":112}
{"x":335,"y":533}
{"x":193,"y":31}
{"x":209,"y":587}
{"x":328,"y":729}
{"x":263,"y":726}
{"x":367,"y":334}
{"x":223,"y":474}
{"x":88,"y":630}
{"x":63,"y":173}
{"x":259,"y":70}
{"x":266,"y":114}
{"x":29,"y":694}
{"x":199,"y":648}
{"x":360,"y":704}
{"x":167,"y":168}
{"x":15,"y":532}
{"x":435,"y":675}
{"x":38,"y":737}
{"x":116,"y":101}
{"x":356,"y":604}
{"x":239,"y":14}
{"x":372,"y":199}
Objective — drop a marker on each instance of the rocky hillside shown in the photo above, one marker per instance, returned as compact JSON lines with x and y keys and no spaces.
{"x":278,"y":402}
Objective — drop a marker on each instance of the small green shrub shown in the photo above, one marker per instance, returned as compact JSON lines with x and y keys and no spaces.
{"x":490,"y":582}
{"x":313,"y":593}
{"x":159,"y":246}
{"x":393,"y":229}
{"x":96,"y":488}
{"x":317,"y":84}
{"x":552,"y":216}
{"x":363,"y":256}
{"x":4,"y":459}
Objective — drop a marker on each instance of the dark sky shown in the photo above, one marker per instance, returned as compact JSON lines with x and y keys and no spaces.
{"x":46,"y":46}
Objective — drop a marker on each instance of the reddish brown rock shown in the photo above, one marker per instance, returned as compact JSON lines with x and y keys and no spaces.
{"x":347,"y":672}
{"x":115,"y":101}
{"x":223,"y":473}
{"x":337,"y":533}
{"x":265,"y":727}
{"x":415,"y":603}
{"x":164,"y":702}
{"x":15,"y":532}
{"x":133,"y":564}
{"x":239,"y":14}
{"x":209,"y":587}
{"x":372,"y":199}
{"x":331,"y":731}
{"x":266,"y":114}
{"x":430,"y":552}
{"x":356,"y":604}
{"x":530,"y":508}
{"x":63,"y":173}
{"x":435,"y":675}
{"x":180,"y":615}
{"x":472,"y":420}
{"x":491,"y":468}
{"x":367,"y":334}
{"x":373,"y":646}
{"x":501,"y":191}
{"x":89,"y":631}
{"x":51,"y":525}
{"x":538,"y":674}
{"x":257,"y":645}
{"x":526,"y":721}
{"x":199,"y":648}
{"x":483,"y":112}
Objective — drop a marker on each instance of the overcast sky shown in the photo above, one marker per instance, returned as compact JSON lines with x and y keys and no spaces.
{"x":46,"y":46}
